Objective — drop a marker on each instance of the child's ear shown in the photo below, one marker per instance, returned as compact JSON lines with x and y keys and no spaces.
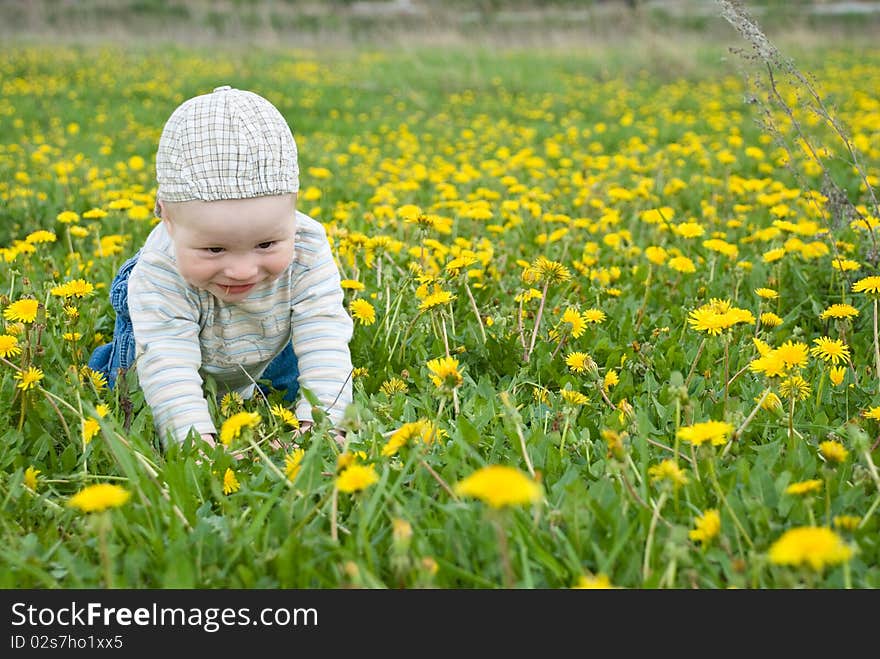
{"x":163,"y":213}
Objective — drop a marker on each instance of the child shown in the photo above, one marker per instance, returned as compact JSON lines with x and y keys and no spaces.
{"x":234,"y":282}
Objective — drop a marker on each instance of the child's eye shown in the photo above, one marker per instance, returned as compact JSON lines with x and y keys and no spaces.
{"x":266,"y":245}
{"x":214,"y":250}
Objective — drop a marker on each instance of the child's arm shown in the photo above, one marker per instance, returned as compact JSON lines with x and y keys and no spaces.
{"x":320,"y":326}
{"x":165,"y":317}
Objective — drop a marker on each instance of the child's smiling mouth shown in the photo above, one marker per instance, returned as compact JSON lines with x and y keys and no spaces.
{"x":236,"y":290}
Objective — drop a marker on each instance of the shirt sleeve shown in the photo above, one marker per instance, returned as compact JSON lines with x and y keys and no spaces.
{"x":320,"y":326}
{"x":165,"y":317}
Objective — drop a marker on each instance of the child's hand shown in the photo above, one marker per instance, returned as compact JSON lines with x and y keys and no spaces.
{"x":304,"y":427}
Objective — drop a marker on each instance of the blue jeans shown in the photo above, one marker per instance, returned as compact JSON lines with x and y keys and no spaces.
{"x":116,"y":357}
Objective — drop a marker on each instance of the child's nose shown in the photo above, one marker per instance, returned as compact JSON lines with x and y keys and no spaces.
{"x":241,"y":269}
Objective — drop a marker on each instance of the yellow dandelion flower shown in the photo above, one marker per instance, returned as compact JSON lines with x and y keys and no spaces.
{"x":293,"y":463}
{"x":66,"y":217}
{"x":611,"y":379}
{"x":770,"y":319}
{"x":456,"y":265}
{"x":285,"y":415}
{"x":830,"y":350}
{"x":347,"y":458}
{"x":393,"y":386}
{"x":444,"y":372}
{"x":708,"y":525}
{"x":231,"y":402}
{"x":90,"y":428}
{"x":773,"y":255}
{"x":793,"y":354}
{"x":9,"y":346}
{"x":667,"y":470}
{"x":594,"y":316}
{"x":662,"y":215}
{"x":540,"y":394}
{"x":94,"y":214}
{"x":845,"y":265}
{"x":351,"y":285}
{"x":804,"y":487}
{"x":436,"y":299}
{"x":614,"y":440}
{"x":95,"y":378}
{"x":120,"y":204}
{"x":573,"y":317}
{"x":795,"y":387}
{"x":766,"y":293}
{"x":28,"y":379}
{"x":706,"y":320}
{"x":717,"y":316}
{"x":499,"y":486}
{"x":813,"y":546}
{"x":836,"y":375}
{"x":24,"y":311}
{"x":839,"y":311}
{"x":656,"y":255}
{"x":770,"y":364}
{"x":688,"y":229}
{"x":230,"y":482}
{"x":873,"y":413}
{"x":715,"y":432}
{"x":573,"y":397}
{"x":362,"y":311}
{"x":722,"y":247}
{"x":41,"y":236}
{"x":30,"y":477}
{"x":762,"y":347}
{"x":355,"y":478}
{"x":847,"y":522}
{"x":833,"y":451}
{"x":869,"y":285}
{"x":593,"y":582}
{"x":544,"y":270}
{"x":682,"y":264}
{"x":527,"y":296}
{"x":76,"y":288}
{"x":232,"y":427}
{"x":580,"y":362}
{"x":422,"y":429}
{"x":96,"y":498}
{"x":771,"y":402}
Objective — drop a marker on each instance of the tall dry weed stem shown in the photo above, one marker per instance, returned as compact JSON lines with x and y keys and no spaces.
{"x":776,"y":70}
{"x":779,"y":75}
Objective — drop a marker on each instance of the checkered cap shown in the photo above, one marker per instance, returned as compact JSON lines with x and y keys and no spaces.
{"x":229,"y":144}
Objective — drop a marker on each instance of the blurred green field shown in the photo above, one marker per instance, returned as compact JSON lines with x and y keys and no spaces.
{"x":620,"y":206}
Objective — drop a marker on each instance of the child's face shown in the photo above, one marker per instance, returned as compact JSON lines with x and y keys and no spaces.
{"x":232,"y":247}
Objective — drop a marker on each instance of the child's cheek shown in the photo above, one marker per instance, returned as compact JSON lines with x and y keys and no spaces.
{"x":195,"y":270}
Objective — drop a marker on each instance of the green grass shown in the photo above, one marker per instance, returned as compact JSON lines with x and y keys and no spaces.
{"x":566,"y":150}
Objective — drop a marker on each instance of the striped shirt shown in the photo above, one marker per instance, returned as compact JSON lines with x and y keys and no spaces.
{"x":183,"y":334}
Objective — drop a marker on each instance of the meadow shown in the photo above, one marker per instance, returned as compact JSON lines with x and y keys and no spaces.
{"x":615,"y":325}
